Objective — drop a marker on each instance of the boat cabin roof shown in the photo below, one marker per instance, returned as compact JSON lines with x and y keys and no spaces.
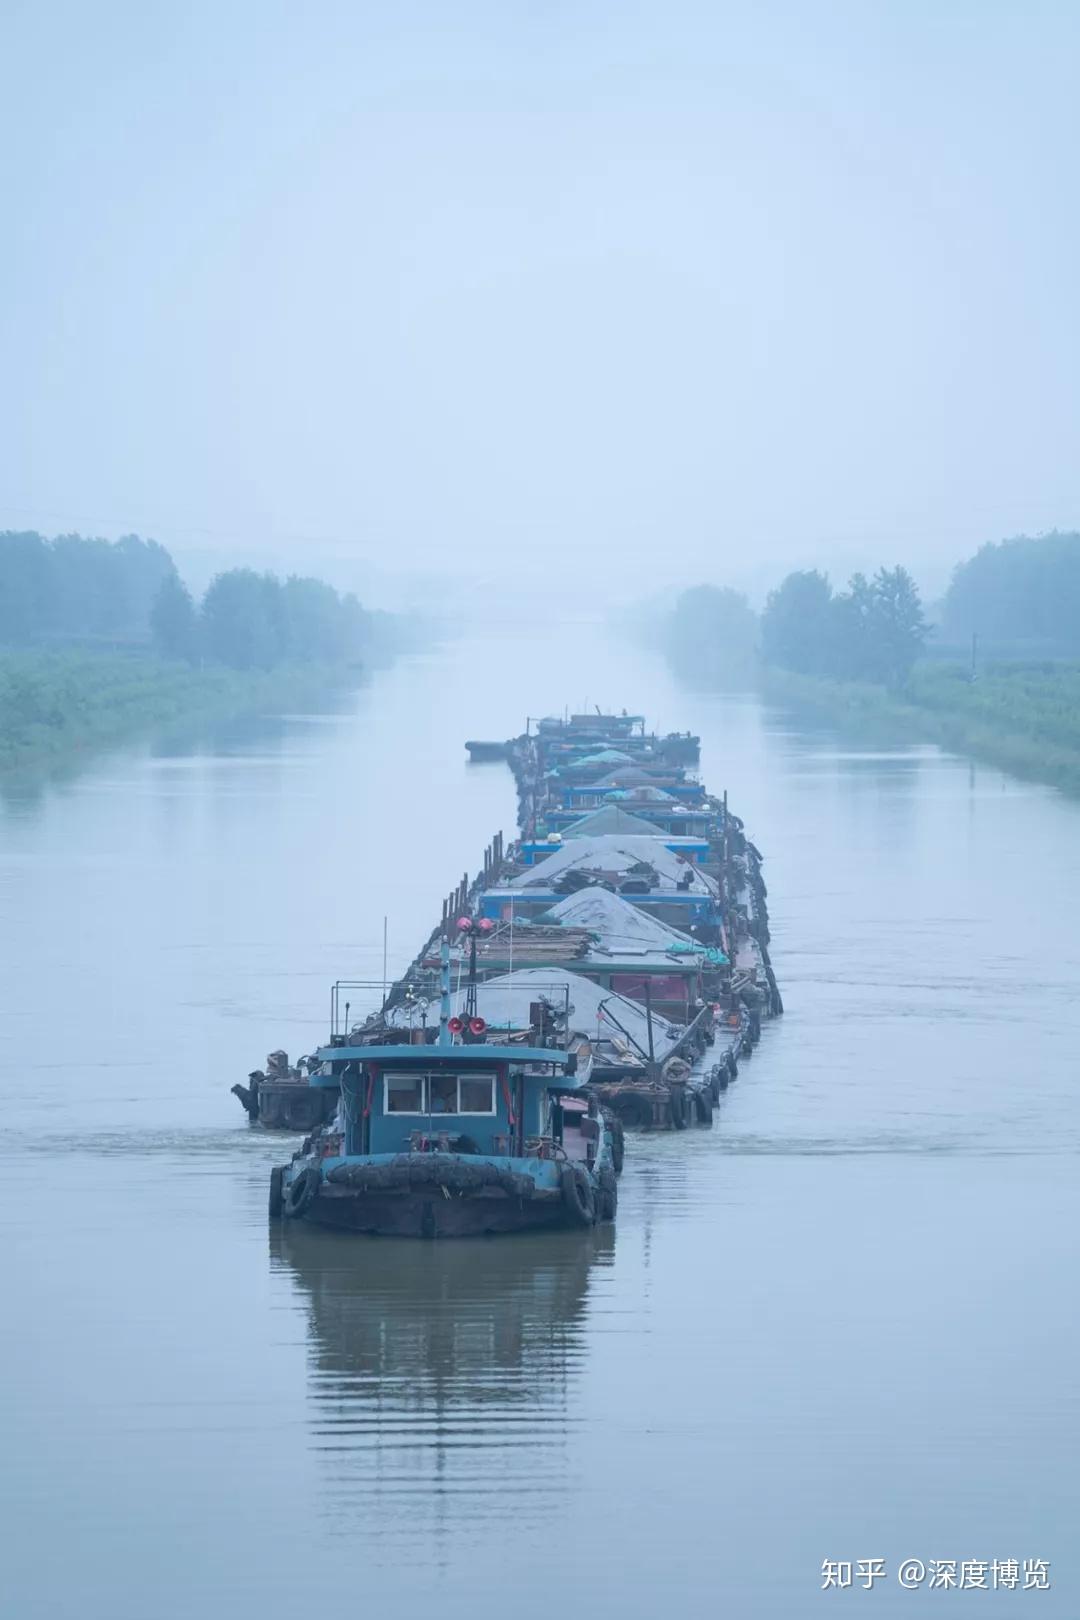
{"x":426,"y":1057}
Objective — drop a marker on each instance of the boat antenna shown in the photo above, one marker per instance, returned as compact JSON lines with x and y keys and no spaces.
{"x":384,"y":928}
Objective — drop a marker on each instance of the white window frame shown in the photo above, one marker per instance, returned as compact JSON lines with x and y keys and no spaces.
{"x":478,"y":1113}
{"x":424,"y":1112}
{"x":404,"y":1113}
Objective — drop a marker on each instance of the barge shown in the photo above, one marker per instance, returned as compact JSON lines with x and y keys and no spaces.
{"x":281,"y":1097}
{"x":616,"y":835}
{"x":613,"y":971}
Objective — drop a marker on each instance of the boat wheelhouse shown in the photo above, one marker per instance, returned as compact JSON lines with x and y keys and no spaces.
{"x":453,"y":1137}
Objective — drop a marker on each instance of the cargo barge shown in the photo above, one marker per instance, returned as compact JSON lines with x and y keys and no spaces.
{"x":612,"y":970}
{"x":619,"y":840}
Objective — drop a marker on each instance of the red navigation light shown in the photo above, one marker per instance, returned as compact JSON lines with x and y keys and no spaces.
{"x":464,"y":924}
{"x":456,"y":1025}
{"x":477,"y":1026}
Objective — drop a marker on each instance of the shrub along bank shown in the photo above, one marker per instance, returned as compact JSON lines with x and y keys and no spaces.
{"x":58,"y":702}
{"x":1023,"y":717}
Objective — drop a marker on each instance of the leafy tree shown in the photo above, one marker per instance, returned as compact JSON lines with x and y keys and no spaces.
{"x":361,"y":630}
{"x":144,"y":567}
{"x":25,"y":587}
{"x":873,"y":631}
{"x":78,"y":589}
{"x":1020,"y":590}
{"x":897,"y":625}
{"x":89,"y":590}
{"x":797,"y":624}
{"x":243,"y":621}
{"x":853,"y":651}
{"x":174,"y":623}
{"x":315,"y":621}
{"x":712,"y":632}
{"x":74,"y":589}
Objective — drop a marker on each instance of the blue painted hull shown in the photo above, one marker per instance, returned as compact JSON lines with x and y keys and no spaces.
{"x":430,"y":1215}
{"x":431,"y":1195}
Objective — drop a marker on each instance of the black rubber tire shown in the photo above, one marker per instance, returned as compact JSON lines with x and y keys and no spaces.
{"x":276,"y":1175}
{"x":732,"y":1066}
{"x":301,"y":1191}
{"x":579,"y":1199}
{"x":677,"y":1106}
{"x":635,"y":1111}
{"x":608,"y":1200}
{"x":704,"y":1105}
{"x":618,"y":1144}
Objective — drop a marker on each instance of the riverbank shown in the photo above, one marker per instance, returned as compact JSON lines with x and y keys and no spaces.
{"x":59,"y":703}
{"x":1023,"y":717}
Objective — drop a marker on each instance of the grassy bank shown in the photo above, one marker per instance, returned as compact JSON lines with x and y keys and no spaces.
{"x":56,"y":703}
{"x":1023,"y":717}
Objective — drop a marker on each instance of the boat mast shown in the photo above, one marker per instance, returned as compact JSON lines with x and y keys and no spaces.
{"x":444,"y":992}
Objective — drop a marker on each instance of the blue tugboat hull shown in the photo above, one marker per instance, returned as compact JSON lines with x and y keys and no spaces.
{"x":446,"y":1195}
{"x":431,"y":1215}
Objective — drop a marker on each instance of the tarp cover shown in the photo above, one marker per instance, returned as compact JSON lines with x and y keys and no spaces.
{"x":610,"y":818}
{"x":618,"y":924}
{"x":594,"y":1012}
{"x":615,"y":854}
{"x":640,"y":795}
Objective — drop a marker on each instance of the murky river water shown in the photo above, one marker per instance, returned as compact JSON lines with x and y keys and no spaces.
{"x":842,"y":1324}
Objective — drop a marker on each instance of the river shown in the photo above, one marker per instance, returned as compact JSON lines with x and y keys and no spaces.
{"x":840,"y":1325}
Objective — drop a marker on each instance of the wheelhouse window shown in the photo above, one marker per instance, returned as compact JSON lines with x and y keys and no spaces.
{"x":443,"y":1094}
{"x":405,"y":1094}
{"x":439,"y":1093}
{"x":476,"y":1094}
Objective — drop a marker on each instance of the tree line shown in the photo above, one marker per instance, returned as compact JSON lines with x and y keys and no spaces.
{"x":73,"y":591}
{"x":249,"y":620}
{"x":872,"y":631}
{"x":1020,"y":598}
{"x":1021,"y":594}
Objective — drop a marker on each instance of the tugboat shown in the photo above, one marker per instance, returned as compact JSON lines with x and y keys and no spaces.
{"x":280,"y":1098}
{"x":453,"y":1138}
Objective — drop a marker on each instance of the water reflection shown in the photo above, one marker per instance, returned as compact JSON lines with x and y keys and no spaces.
{"x":439,"y":1373}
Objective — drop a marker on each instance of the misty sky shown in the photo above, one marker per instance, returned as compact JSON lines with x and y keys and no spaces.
{"x":712,"y":290}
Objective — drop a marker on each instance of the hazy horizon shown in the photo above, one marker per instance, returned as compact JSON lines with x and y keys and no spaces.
{"x":640,"y":295}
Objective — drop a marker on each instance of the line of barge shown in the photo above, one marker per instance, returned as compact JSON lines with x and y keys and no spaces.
{"x":612,"y":970}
